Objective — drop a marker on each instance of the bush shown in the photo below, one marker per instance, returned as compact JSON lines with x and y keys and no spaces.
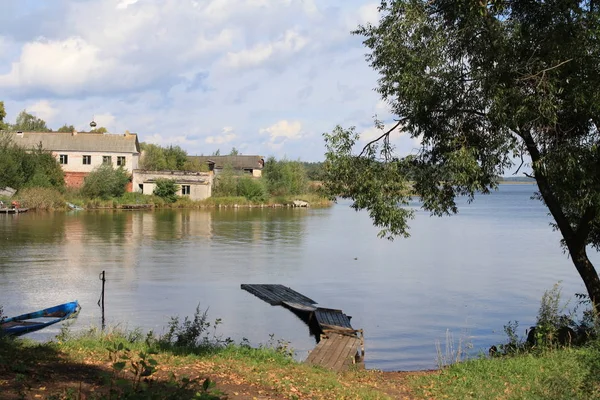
{"x":105,"y":182}
{"x":166,"y":189}
{"x":252,"y":189}
{"x":41,"y":198}
{"x":285,"y":177}
{"x":226,"y":183}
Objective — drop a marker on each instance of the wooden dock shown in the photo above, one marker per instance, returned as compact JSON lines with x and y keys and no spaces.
{"x":338,"y":351}
{"x":339,"y":345}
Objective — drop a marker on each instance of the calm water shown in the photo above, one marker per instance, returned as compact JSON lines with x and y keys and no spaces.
{"x":470,"y":273}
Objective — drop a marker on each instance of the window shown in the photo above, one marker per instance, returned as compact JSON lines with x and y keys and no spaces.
{"x":87,"y":160}
{"x":63,"y":159}
{"x":121,"y":161}
{"x":106,"y":160}
{"x":185,"y":189}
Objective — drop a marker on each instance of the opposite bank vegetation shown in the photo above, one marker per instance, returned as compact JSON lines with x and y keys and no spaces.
{"x":192,"y":361}
{"x":39,"y":181}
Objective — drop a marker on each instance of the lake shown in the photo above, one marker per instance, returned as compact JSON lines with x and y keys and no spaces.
{"x":468,"y":274}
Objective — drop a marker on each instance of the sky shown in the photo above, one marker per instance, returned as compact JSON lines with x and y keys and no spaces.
{"x":267,"y":77}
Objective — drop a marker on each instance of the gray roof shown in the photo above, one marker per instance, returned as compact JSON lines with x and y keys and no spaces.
{"x":66,"y":141}
{"x":237,"y":162}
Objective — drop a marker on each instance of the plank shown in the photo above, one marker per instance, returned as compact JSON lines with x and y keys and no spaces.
{"x":276,"y":294}
{"x":330,"y":318}
{"x":336,"y":352}
{"x":300,"y":306}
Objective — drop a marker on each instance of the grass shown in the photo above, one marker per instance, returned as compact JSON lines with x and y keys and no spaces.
{"x":564,"y":373}
{"x":104,"y":365}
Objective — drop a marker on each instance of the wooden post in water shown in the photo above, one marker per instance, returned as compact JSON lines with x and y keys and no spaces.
{"x":101,"y":300}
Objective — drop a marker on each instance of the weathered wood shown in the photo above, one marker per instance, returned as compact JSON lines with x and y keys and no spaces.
{"x":299,"y":306}
{"x":277,"y":294}
{"x":340,"y":346}
{"x":335,"y":351}
{"x":329,"y":318}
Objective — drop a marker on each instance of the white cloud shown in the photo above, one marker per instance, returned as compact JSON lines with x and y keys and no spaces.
{"x":64,"y":67}
{"x":177,"y":72}
{"x":368,"y":14}
{"x":43,"y":109}
{"x":125,"y":3}
{"x":291,"y":42}
{"x":106,"y":120}
{"x":283,"y":129}
{"x":226,"y":136}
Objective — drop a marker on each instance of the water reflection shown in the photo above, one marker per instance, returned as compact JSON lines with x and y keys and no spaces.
{"x":477,"y":270}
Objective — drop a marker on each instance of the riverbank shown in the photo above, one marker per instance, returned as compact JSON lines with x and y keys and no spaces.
{"x":103,"y":366}
{"x":52,"y":200}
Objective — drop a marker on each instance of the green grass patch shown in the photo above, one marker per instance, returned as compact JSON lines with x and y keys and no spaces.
{"x":565,"y":373}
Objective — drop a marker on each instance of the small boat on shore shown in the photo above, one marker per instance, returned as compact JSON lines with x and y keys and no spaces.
{"x":37,"y":320}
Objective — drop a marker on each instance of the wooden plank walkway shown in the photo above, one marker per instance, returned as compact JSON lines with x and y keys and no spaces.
{"x":340,"y":345}
{"x":336,"y":351}
{"x":275,"y":295}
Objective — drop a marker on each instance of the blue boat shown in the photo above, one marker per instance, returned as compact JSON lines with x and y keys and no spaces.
{"x":37,"y":320}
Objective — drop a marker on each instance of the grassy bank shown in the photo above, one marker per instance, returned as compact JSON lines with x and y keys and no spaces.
{"x":47,"y":199}
{"x":565,"y":373}
{"x":117,"y":365}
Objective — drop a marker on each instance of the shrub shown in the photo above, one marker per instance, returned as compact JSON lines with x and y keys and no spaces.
{"x":166,"y":189}
{"x":105,"y":182}
{"x":41,"y":198}
{"x":252,"y":189}
{"x":226,"y":183}
{"x":285,"y":177}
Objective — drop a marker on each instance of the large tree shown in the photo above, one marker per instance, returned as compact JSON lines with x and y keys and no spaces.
{"x":482,"y":84}
{"x":29,"y":123}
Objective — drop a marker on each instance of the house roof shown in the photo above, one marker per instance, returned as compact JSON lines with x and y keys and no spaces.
{"x":66,"y":141}
{"x":237,"y":162}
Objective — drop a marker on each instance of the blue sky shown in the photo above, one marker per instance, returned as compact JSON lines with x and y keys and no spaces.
{"x":265,"y":76}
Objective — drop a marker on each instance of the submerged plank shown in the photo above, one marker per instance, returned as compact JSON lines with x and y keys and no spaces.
{"x":299,"y":306}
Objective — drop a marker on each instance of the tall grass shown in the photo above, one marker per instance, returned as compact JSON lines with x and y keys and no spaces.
{"x":40,"y":198}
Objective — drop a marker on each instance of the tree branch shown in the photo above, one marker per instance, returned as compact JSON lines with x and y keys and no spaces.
{"x":545,"y":70}
{"x":546,"y":190}
{"x":382,"y":136}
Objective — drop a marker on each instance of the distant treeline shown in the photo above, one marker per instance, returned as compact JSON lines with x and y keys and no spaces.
{"x":524,"y":179}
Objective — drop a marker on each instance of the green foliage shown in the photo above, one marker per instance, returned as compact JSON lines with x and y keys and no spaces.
{"x":66,"y":128}
{"x":41,"y":198}
{"x":480,"y":84}
{"x":105,"y":182}
{"x":21,"y":168}
{"x":195,"y":166}
{"x":166,"y":189}
{"x":100,"y":129}
{"x":234,"y":152}
{"x":285,"y":177}
{"x":3,"y":125}
{"x":314,"y":170}
{"x":193,"y":333}
{"x":379,"y":187}
{"x":153,"y":158}
{"x":157,"y":158}
{"x":225,"y":184}
{"x":252,"y":189}
{"x":29,"y":123}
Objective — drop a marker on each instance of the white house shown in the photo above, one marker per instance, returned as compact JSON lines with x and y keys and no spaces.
{"x":195,"y":185}
{"x":80,"y":152}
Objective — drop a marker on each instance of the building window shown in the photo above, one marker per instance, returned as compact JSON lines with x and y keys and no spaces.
{"x":106,"y":160}
{"x":185,"y":189}
{"x":87,"y":160}
{"x":63,"y":159}
{"x":120,"y":161}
